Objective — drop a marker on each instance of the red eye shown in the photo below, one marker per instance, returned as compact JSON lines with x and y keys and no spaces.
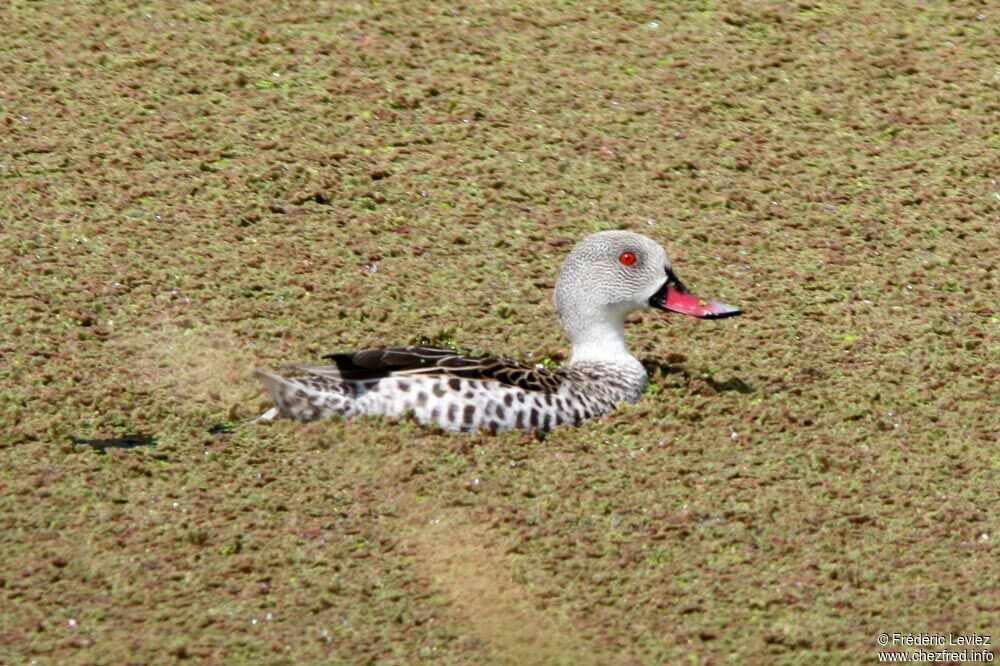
{"x":627,"y":258}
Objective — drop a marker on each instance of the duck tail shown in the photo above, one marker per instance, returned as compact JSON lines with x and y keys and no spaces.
{"x":300,"y":398}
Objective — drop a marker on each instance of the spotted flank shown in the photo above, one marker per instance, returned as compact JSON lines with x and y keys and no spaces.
{"x":607,"y":276}
{"x":505,"y":395}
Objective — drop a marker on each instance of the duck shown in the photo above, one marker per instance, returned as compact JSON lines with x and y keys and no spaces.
{"x":606,"y":276}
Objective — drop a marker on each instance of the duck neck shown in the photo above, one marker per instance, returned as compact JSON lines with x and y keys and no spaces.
{"x":600,"y":341}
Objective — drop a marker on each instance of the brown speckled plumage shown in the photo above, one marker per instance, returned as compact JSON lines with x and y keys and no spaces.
{"x":595,"y":291}
{"x":435,"y":384}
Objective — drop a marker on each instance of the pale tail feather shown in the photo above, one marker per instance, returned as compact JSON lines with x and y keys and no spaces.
{"x":324,"y":370}
{"x":296,"y":399}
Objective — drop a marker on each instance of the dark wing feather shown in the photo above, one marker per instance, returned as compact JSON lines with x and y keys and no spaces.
{"x":416,"y":360}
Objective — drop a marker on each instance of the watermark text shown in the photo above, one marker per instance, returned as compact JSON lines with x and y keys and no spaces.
{"x":918,"y":648}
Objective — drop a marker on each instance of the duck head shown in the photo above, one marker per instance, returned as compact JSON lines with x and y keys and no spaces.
{"x":609,"y":275}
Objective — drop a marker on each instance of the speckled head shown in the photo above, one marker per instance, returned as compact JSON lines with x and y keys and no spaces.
{"x":610,"y":274}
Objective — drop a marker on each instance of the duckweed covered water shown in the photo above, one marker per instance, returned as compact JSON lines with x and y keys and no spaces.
{"x":190,"y":192}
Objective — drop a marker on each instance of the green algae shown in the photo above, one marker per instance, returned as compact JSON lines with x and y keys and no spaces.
{"x":193,"y":191}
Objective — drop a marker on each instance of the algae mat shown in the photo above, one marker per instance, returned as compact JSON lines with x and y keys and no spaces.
{"x":192,"y":190}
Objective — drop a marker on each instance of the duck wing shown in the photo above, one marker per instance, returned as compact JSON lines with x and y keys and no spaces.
{"x":368,"y":364}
